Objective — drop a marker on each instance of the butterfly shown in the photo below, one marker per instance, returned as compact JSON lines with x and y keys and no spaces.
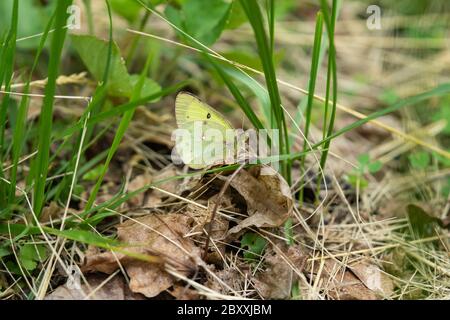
{"x":207,"y":134}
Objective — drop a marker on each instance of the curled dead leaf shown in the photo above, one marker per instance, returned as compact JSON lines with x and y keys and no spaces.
{"x":373,"y":278}
{"x":268,"y":197}
{"x":340,"y":282}
{"x":156,"y":235}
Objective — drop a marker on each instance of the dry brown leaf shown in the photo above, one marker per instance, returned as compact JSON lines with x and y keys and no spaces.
{"x":162,"y":236}
{"x":351,"y":288}
{"x":104,"y":261}
{"x":341,"y":283}
{"x":171,"y":186}
{"x":183,"y":293}
{"x":137,"y":183}
{"x":268,"y":197}
{"x":157,"y":235}
{"x":51,"y":212}
{"x":227,"y":279}
{"x":277,"y":279}
{"x":373,"y":278}
{"x":114,"y":289}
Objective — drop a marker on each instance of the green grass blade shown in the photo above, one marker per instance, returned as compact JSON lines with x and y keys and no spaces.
{"x":45,"y":118}
{"x":6,"y":72}
{"x":330,"y":23}
{"x":312,"y":86}
{"x":19,"y":130}
{"x":245,"y":106}
{"x":123,"y":126}
{"x":254,"y":15}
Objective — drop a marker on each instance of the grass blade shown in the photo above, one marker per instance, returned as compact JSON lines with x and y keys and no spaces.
{"x":312,"y":86}
{"x":254,"y":15}
{"x":124,"y":123}
{"x":6,"y":72}
{"x":245,"y":106}
{"x":19,"y":131}
{"x":45,"y":118}
{"x":330,"y":23}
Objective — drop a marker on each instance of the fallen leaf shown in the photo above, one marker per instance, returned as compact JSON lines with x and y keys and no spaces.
{"x":104,"y":261}
{"x":282,"y":268}
{"x":164,"y":182}
{"x":184,"y":293}
{"x":95,"y":289}
{"x":373,"y":278}
{"x":157,"y":235}
{"x":340,"y":283}
{"x":51,"y":212}
{"x":137,"y":183}
{"x":268,"y":197}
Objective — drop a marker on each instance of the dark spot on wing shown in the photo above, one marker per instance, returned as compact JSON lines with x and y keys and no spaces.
{"x":208,"y":116}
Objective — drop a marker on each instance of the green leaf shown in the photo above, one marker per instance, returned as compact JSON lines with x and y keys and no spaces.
{"x":149,"y":87}
{"x":254,"y":245}
{"x":93,"y":174}
{"x":30,"y":255}
{"x":237,"y":16}
{"x":389,"y":97}
{"x":363,"y":159}
{"x":422,"y":223}
{"x":289,"y":232}
{"x":419,"y":160}
{"x":356,"y":180}
{"x":30,"y":265}
{"x":444,"y":113}
{"x":33,"y":17}
{"x":128,"y":9}
{"x":13,"y":267}
{"x":374,"y":167}
{"x":4,"y":252}
{"x":203,"y":20}
{"x":93,"y":52}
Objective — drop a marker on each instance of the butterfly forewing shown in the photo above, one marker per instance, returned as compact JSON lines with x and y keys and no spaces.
{"x":188,"y":108}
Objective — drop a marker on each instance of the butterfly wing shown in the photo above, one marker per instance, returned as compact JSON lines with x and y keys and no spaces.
{"x":191,"y":112}
{"x":189,"y":108}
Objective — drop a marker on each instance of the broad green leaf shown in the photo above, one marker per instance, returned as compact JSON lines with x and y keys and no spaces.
{"x":374,"y":167}
{"x":4,"y":252}
{"x":254,"y":245}
{"x":30,"y":255}
{"x":203,"y":20}
{"x":93,"y":52}
{"x":419,"y":160}
{"x":13,"y":267}
{"x":423,"y":224}
{"x":389,"y":97}
{"x":93,"y":174}
{"x":357,"y":180}
{"x":149,"y":87}
{"x":237,"y":16}
{"x":363,"y":159}
{"x":30,"y":265}
{"x":128,"y":9}
{"x":33,"y":17}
